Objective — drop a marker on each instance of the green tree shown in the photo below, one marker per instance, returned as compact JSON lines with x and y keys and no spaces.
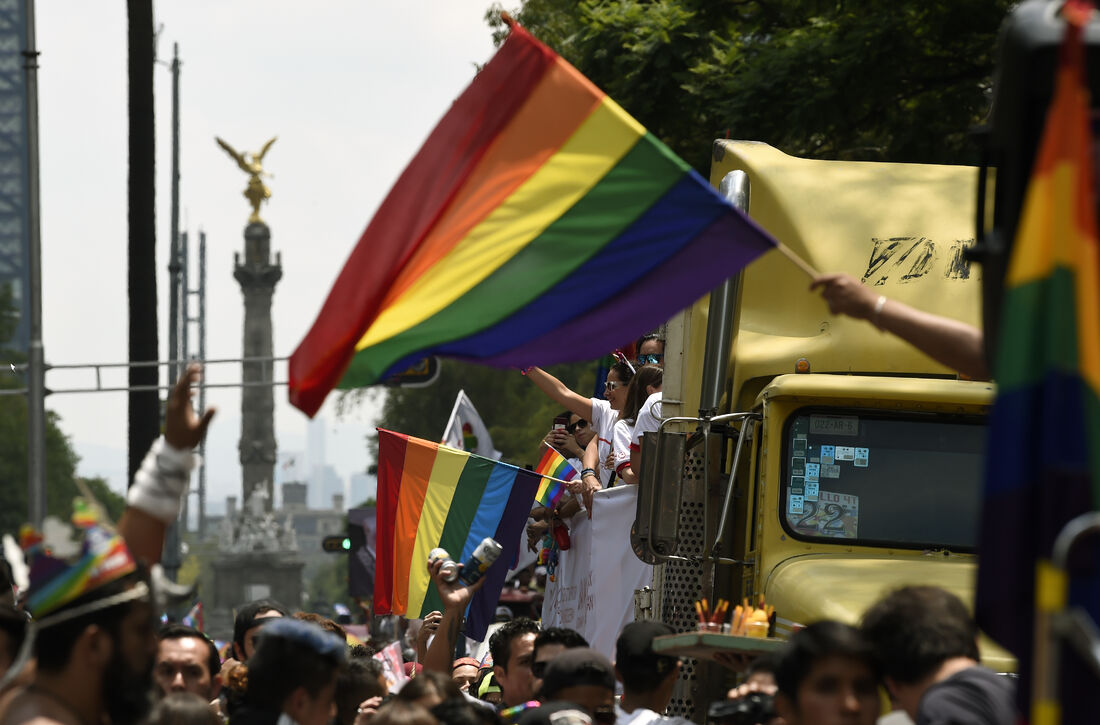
{"x":898,"y":81}
{"x":61,"y":459}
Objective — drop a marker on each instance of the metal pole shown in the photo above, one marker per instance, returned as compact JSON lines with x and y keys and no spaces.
{"x":173,"y":244}
{"x":185,"y":302}
{"x":202,"y":383}
{"x":36,"y":357}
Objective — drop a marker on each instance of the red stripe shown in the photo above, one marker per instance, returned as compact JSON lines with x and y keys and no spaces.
{"x":422,"y":194}
{"x":622,"y":465}
{"x":391,"y":463}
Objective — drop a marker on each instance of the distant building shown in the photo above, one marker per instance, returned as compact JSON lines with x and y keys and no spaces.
{"x":363,"y":487}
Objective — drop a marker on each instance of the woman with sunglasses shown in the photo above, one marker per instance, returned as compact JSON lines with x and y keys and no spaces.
{"x":644,"y":390}
{"x":602,"y":415}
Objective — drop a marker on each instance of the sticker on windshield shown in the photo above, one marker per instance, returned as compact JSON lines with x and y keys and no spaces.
{"x":835,"y":515}
{"x":827,"y":454}
{"x":813,"y":488}
{"x":862,"y":455}
{"x":830,"y":471}
{"x":797,"y":483}
{"x":841,"y":425}
{"x":845,"y":453}
{"x":813,"y":471}
{"x":795,"y":504}
{"x":800,"y":445}
{"x":798,"y":466}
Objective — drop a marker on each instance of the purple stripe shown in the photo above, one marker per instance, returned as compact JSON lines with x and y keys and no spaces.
{"x":512,"y":523}
{"x":720,"y":251}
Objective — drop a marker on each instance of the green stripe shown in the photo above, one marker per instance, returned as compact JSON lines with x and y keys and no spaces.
{"x":1038,"y":330}
{"x":460,"y":517}
{"x":637,"y":182}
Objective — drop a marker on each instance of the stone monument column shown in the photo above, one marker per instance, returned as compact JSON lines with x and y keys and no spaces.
{"x":257,"y":277}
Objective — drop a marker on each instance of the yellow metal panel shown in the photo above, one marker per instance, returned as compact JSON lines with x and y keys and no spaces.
{"x":900,"y":227}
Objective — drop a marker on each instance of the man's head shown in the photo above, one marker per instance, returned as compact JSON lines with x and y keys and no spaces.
{"x":187,"y":661}
{"x":641,"y":670}
{"x":827,"y":675}
{"x":582,"y":676}
{"x":248,"y":621}
{"x":511,"y":647}
{"x":294,"y":669}
{"x":914,"y":630}
{"x":651,"y":350}
{"x":581,"y":430}
{"x":549,"y":644}
{"x":362,"y":679}
{"x":464,"y":672}
{"x":110,"y":646}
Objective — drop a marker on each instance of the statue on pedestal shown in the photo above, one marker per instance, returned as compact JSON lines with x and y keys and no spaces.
{"x":256,"y":192}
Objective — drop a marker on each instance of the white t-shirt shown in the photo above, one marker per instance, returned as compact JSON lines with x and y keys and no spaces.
{"x":648,"y":420}
{"x":603,"y":423}
{"x":642,"y":716}
{"x":620,"y":445}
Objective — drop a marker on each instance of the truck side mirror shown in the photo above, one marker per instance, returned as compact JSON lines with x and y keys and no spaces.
{"x":657,"y":522}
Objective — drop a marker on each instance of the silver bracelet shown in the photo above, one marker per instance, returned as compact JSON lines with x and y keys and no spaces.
{"x":879,"y":304}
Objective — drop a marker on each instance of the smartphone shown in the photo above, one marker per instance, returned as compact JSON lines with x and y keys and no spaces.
{"x":560,"y":422}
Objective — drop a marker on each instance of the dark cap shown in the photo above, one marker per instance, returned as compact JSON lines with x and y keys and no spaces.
{"x":636,"y":639}
{"x":555,"y":713}
{"x":639,"y":666}
{"x":577,"y":666}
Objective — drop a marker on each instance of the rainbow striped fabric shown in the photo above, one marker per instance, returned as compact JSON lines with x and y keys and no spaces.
{"x":56,"y":581}
{"x":432,"y":496}
{"x":1043,"y":467}
{"x":538,"y":224}
{"x":553,"y":464}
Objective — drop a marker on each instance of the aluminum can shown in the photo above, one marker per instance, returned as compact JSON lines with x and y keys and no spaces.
{"x":449,"y":571}
{"x":479,"y":562}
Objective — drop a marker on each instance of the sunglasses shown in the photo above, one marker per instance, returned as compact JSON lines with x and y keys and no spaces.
{"x":574,"y":427}
{"x":651,"y":359}
{"x":613,"y":385}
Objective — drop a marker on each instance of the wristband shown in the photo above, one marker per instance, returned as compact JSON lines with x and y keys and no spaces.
{"x":879,"y":304}
{"x":162,"y":481}
{"x":588,"y":472}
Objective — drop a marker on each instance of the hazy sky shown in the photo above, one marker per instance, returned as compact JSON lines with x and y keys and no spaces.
{"x":350,"y":87}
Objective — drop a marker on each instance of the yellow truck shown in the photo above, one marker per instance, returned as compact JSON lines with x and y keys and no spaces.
{"x":811,"y":458}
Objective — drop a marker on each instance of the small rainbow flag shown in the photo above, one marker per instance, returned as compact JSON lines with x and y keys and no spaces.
{"x":554,"y":466}
{"x":537,"y":211}
{"x":432,"y":496}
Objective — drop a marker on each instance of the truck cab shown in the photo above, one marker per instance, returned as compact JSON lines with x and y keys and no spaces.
{"x":810,"y":458}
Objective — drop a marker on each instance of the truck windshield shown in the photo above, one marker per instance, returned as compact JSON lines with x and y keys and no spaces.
{"x":911,"y":481}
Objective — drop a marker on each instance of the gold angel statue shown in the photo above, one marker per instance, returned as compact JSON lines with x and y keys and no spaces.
{"x":256,"y":192}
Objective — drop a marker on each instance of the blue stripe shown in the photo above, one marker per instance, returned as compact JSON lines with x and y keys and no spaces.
{"x":681,"y":214}
{"x":493,"y":503}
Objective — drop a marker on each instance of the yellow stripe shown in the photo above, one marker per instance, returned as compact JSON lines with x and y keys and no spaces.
{"x":1046,"y":237}
{"x":1046,"y":712}
{"x":596,"y":147}
{"x":437,"y":502}
{"x":1051,"y":587}
{"x":1049,"y":237}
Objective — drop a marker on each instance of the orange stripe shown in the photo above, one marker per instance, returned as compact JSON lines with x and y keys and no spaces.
{"x":419,"y":459}
{"x":559,"y":104}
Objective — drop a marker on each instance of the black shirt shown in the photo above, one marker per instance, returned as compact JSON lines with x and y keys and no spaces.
{"x":974,"y":696}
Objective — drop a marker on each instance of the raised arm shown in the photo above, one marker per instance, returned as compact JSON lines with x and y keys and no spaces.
{"x":153,"y":501}
{"x":950,"y":342}
{"x":560,"y":394}
{"x":455,"y":597}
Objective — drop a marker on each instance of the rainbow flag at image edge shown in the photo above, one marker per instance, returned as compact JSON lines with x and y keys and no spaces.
{"x":1043,"y":464}
{"x":537,"y":212}
{"x":554,"y":465}
{"x":432,"y":496}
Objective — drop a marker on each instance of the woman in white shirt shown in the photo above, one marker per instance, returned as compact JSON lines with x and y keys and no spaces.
{"x":644,"y":391}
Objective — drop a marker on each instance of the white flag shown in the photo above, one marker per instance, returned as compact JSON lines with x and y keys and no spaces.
{"x":466,"y":431}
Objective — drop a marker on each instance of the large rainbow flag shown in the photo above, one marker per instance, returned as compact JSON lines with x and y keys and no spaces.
{"x":430,"y":495}
{"x":539,"y":223}
{"x":1043,"y":464}
{"x":556,"y":470}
